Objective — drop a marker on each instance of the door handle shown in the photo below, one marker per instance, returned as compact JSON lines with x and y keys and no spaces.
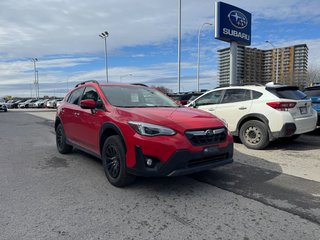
{"x":211,"y":109}
{"x":242,"y":108}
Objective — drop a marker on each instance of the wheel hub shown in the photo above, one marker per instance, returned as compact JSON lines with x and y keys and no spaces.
{"x":113,"y":161}
{"x":253,"y":135}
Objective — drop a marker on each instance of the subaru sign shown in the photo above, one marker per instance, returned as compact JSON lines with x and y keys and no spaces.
{"x":232,"y":24}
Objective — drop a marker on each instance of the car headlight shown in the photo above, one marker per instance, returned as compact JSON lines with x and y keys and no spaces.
{"x":148,"y":129}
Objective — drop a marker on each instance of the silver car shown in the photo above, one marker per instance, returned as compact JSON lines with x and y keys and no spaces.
{"x":3,"y":105}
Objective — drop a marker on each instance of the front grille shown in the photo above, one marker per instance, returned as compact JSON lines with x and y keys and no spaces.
{"x":206,"y":136}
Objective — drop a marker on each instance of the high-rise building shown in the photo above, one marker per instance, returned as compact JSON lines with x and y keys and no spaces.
{"x":288,"y":65}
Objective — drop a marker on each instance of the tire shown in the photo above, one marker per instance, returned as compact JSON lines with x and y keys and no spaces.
{"x":114,"y":162}
{"x":254,"y":135}
{"x":61,"y":141}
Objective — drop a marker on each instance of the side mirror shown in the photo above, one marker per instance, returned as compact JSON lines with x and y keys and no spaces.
{"x":88,"y":104}
{"x":194,"y":104}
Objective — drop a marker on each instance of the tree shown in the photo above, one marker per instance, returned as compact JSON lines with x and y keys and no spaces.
{"x":313,"y":75}
{"x":162,"y":89}
{"x":7,"y":98}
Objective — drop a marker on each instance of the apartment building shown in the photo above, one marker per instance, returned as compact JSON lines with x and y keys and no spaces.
{"x":287,"y":65}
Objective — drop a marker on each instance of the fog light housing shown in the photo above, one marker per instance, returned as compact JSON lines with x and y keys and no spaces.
{"x":149,"y":162}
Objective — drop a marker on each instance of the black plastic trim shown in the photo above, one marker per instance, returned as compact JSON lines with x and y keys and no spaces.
{"x":283,"y":132}
{"x":182,"y":162}
{"x":248,"y":116}
{"x":82,"y":149}
{"x":109,"y":125}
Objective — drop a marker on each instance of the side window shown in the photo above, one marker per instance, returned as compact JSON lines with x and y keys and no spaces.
{"x":75,"y":96}
{"x":91,"y":93}
{"x":256,"y":95}
{"x":236,"y":95}
{"x":210,"y":98}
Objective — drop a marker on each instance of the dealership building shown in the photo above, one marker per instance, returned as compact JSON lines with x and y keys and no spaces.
{"x":287,"y":65}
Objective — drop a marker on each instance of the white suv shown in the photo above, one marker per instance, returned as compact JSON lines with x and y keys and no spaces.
{"x":260,"y":114}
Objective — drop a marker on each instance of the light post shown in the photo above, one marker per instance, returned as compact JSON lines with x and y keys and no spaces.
{"x":104,"y":36}
{"x":198,"y":65}
{"x":127,"y":75}
{"x":37,"y":82}
{"x":34,"y":60}
{"x":179,"y":43}
{"x":277,"y":59}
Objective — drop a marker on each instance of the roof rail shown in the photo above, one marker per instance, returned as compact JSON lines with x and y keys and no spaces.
{"x":139,"y":84}
{"x":241,"y":84}
{"x":93,"y":81}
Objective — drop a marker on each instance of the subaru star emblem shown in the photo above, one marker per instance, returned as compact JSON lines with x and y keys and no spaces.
{"x":209,"y":132}
{"x":238,"y":19}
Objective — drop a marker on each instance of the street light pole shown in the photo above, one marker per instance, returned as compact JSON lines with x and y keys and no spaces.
{"x":179,"y":43}
{"x":277,"y":59}
{"x":35,"y":75}
{"x":198,"y":65}
{"x":38,"y":94}
{"x":104,"y":36}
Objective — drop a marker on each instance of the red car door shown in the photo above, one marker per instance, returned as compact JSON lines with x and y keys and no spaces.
{"x":89,"y":122}
{"x":69,"y":114}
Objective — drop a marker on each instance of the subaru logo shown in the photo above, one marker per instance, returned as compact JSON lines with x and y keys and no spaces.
{"x":209,"y":132}
{"x":238,"y":19}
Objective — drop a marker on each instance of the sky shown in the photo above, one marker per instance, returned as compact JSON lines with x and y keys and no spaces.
{"x":142,"y":43}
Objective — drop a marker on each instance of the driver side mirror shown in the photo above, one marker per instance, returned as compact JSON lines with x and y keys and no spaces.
{"x":194,"y":104}
{"x":88,"y":104}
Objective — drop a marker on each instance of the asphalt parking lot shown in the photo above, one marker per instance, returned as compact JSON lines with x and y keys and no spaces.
{"x":266,"y":194}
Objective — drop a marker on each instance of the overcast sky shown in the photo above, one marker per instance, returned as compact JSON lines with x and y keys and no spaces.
{"x":142,"y":42}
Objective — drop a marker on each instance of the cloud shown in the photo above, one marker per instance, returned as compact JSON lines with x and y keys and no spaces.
{"x":142,"y":40}
{"x":38,"y":28}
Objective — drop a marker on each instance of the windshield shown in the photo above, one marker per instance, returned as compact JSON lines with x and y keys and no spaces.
{"x":134,"y":96}
{"x":288,"y":93}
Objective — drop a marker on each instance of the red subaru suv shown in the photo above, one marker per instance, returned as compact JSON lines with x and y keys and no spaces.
{"x":138,"y":131}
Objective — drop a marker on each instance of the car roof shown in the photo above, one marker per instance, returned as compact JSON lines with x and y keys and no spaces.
{"x":95,"y":82}
{"x":252,"y":87}
{"x":260,"y":87}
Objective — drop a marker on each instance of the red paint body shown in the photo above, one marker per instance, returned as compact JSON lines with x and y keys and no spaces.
{"x":83,"y":127}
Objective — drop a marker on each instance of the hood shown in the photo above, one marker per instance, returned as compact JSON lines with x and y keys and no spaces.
{"x":178,"y":118}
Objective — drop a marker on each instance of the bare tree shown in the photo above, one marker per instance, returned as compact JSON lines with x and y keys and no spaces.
{"x":162,"y":89}
{"x":313,"y":75}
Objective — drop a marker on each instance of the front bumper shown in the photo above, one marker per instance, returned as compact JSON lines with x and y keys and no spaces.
{"x":183,"y":162}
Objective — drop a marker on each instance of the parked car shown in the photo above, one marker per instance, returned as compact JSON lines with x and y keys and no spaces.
{"x":35,"y":104}
{"x":314,"y":94}
{"x":260,"y":114}
{"x":52,"y":103}
{"x":59,"y":103}
{"x":3,"y":105}
{"x":9,"y":102}
{"x":40,"y":103}
{"x":26,"y":104}
{"x":183,"y":98}
{"x":14,"y":103}
{"x":138,"y":131}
